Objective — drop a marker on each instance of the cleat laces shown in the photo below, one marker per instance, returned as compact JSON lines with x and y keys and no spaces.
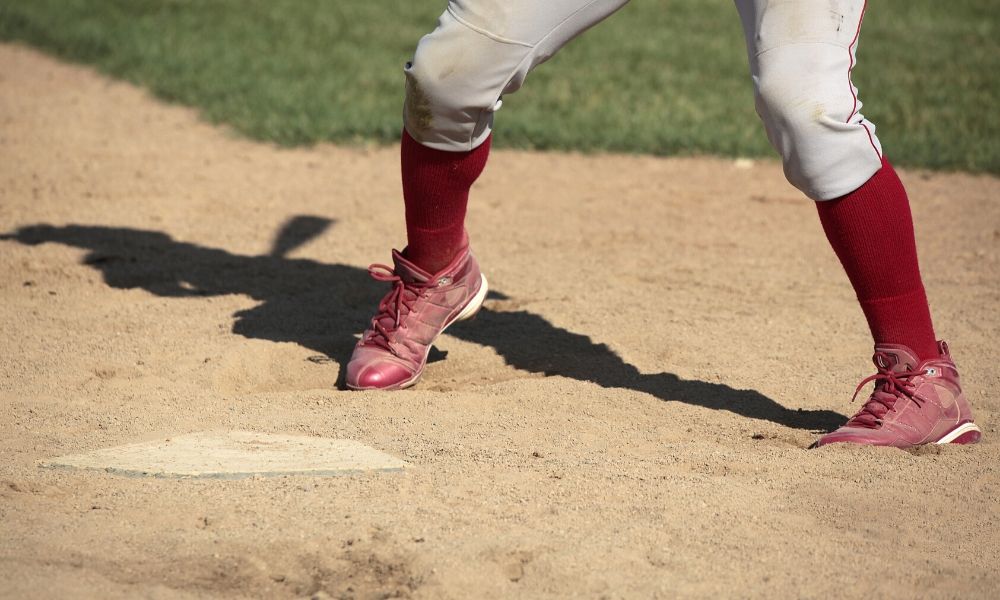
{"x":890,"y":386}
{"x":393,"y":308}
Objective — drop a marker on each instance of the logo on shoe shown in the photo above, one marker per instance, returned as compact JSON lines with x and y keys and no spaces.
{"x":885,"y":361}
{"x":947,"y":402}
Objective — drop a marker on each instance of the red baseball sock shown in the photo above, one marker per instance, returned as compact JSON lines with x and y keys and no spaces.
{"x":436,"y":191}
{"x":871,"y":230}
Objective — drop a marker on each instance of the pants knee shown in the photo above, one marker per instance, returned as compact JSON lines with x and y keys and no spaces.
{"x":812,"y":117}
{"x":441,"y":110}
{"x":454,"y":83}
{"x":479,"y":51}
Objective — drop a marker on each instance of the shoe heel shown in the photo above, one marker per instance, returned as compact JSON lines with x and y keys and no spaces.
{"x":966,"y":433}
{"x":472,"y":308}
{"x":969,"y":437}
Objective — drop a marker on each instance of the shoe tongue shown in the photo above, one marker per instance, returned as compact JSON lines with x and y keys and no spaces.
{"x":409,"y":272}
{"x":899,"y":358}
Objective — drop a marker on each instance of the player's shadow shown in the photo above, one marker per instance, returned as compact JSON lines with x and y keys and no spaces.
{"x":319,"y":305}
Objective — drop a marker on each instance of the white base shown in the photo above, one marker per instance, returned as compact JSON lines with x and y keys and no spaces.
{"x":233,"y":455}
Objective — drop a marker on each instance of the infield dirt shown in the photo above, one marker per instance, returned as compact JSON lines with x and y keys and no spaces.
{"x":627,"y":417}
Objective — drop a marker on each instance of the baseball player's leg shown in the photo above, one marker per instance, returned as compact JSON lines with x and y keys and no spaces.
{"x":801,"y":56}
{"x":480,"y":50}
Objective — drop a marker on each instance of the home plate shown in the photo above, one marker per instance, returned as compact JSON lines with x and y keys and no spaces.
{"x":233,"y":455}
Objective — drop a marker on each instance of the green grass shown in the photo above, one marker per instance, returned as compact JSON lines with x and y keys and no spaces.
{"x":660,"y":77}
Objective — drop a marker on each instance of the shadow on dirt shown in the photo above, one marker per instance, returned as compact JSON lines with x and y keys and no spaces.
{"x":320,"y":306}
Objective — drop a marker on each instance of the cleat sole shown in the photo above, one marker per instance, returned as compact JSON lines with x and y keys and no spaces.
{"x":966,"y":433}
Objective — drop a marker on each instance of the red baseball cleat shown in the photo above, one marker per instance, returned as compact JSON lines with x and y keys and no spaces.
{"x":913,"y":403}
{"x":392,"y":352}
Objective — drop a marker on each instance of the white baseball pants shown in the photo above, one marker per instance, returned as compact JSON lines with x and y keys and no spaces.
{"x":801,"y":54}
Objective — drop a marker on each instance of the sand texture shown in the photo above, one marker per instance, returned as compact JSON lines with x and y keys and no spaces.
{"x":628,"y":416}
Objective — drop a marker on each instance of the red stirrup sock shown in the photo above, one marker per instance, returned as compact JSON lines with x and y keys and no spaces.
{"x":436,"y":192}
{"x":871,"y":230}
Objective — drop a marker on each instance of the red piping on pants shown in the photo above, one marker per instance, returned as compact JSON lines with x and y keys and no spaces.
{"x":850,"y":84}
